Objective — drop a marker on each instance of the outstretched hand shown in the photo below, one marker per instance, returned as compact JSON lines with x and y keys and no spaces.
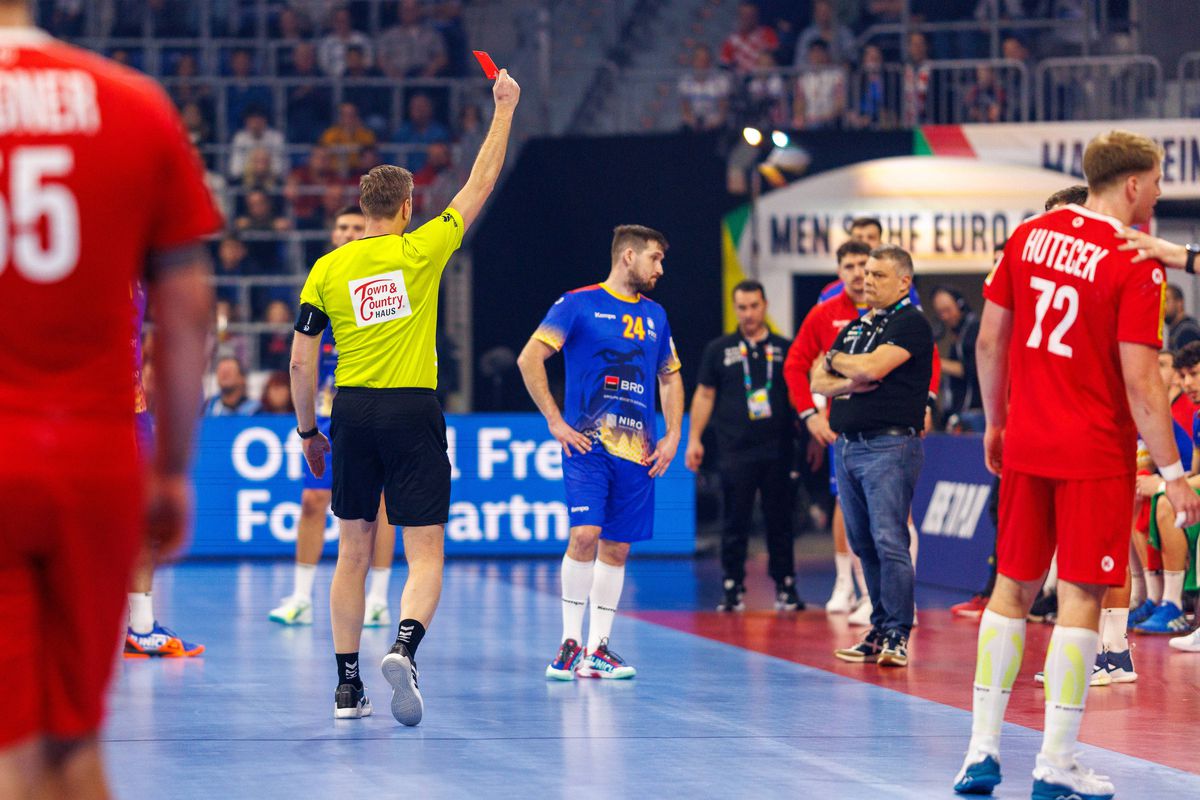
{"x":506,"y":91}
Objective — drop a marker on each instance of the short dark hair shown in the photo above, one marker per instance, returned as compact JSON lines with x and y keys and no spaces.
{"x":895,"y":254}
{"x":749,"y":286}
{"x":1072,"y":195}
{"x":238,"y":361}
{"x":383,"y":190}
{"x":344,"y":210}
{"x":1175,"y":292}
{"x":1187,"y":356}
{"x":818,"y":44}
{"x":862,"y":222}
{"x":635,"y":236}
{"x":852,"y":247}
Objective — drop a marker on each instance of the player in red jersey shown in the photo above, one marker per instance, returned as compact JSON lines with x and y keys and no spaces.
{"x":98,"y":187}
{"x":1068,"y":367}
{"x":816,"y":335}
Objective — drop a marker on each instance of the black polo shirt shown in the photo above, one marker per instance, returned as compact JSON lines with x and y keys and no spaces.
{"x":741,"y":439}
{"x":899,"y":401}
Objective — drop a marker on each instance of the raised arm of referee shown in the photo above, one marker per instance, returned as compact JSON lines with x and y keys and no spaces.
{"x":387,"y":431}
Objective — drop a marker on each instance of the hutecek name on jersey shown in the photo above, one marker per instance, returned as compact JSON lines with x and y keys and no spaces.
{"x":614,"y":347}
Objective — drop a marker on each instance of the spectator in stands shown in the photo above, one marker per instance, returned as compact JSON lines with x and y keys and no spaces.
{"x":767,"y":94}
{"x":839,"y":39}
{"x":313,"y":14}
{"x":986,"y":100}
{"x":347,"y":137}
{"x":1181,"y":328}
{"x":435,"y":183}
{"x":742,"y":48}
{"x":260,"y":215}
{"x":917,"y":76}
{"x":275,"y":347}
{"x":259,"y":173}
{"x":820,"y":90}
{"x":187,"y":86}
{"x":198,"y":130}
{"x":421,"y":128}
{"x":232,"y":262}
{"x":960,"y":329}
{"x":305,"y":184}
{"x":704,"y":94}
{"x":869,"y":106}
{"x":255,"y":135}
{"x":448,"y":21}
{"x":290,"y":26}
{"x":331,"y":54}
{"x":277,"y":392}
{"x":65,"y":18}
{"x":231,"y":399}
{"x":175,"y":18}
{"x":309,"y":104}
{"x":412,"y":48}
{"x":217,"y":186}
{"x":373,"y":99}
{"x":244,"y":92}
{"x":368,"y":157}
{"x":1014,"y":48}
{"x":470,"y":131}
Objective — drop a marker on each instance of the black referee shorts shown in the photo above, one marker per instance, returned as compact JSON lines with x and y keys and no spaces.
{"x":392,"y":440}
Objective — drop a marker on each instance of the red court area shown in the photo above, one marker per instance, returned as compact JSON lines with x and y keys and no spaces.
{"x":1154,"y":719}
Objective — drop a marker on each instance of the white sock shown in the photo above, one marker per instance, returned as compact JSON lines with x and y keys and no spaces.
{"x":914,"y":540}
{"x":1154,"y":585}
{"x":1137,"y":594}
{"x":1051,"y":582}
{"x":1173,"y":587}
{"x":141,"y":612}
{"x":378,"y":593}
{"x":576,"y":583}
{"x":305,"y":574}
{"x":843,"y":563}
{"x":1068,"y":670}
{"x":1001,"y":646}
{"x":606,"y":594}
{"x":1113,"y":635}
{"x":859,"y":578}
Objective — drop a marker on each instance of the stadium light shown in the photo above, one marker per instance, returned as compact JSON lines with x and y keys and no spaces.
{"x":779,"y":138}
{"x":753,"y":136}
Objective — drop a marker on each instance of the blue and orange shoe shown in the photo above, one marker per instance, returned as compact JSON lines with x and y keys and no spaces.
{"x":161,"y":642}
{"x":562,"y":668}
{"x":604,"y":663}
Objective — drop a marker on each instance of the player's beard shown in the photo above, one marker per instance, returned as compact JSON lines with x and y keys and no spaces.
{"x":642,"y":285}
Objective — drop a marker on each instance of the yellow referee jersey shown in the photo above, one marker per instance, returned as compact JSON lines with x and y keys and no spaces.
{"x":381,"y":296}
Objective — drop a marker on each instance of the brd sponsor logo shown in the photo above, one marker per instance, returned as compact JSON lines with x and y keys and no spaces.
{"x":954,"y":509}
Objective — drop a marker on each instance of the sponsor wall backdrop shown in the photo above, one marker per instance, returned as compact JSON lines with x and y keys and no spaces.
{"x":1059,"y":146}
{"x":506,"y":498}
{"x":950,"y":510}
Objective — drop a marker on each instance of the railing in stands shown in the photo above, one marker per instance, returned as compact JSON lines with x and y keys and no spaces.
{"x":1099,"y":87}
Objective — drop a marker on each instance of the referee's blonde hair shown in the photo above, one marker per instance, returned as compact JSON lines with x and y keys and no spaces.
{"x":1115,"y":155}
{"x":383,"y":190}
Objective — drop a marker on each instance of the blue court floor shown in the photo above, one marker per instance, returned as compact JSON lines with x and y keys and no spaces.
{"x":253,"y":717}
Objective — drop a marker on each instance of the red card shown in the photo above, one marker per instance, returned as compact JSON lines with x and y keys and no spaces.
{"x":489,"y":67}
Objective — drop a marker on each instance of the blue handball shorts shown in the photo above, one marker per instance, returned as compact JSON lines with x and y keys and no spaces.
{"x":832,"y":471}
{"x":312,"y":481}
{"x":610,"y":492}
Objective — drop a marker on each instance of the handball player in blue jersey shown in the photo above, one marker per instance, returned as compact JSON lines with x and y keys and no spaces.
{"x":617,"y":344}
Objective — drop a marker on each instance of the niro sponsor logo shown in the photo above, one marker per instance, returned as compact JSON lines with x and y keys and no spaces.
{"x":954,"y":509}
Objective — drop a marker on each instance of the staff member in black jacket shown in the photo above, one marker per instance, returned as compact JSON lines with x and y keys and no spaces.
{"x":877,"y":374}
{"x":741,"y":376}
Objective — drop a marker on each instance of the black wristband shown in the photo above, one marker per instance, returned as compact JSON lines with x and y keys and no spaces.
{"x":806,"y":413}
{"x":1190,"y":264}
{"x":307,"y":434}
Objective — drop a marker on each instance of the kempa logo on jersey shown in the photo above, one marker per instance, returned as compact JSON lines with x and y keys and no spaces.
{"x":955,"y":508}
{"x":602,"y":315}
{"x":380,"y":298}
{"x":612,"y":383}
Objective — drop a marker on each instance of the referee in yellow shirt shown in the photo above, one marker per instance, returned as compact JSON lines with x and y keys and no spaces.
{"x":380,"y":293}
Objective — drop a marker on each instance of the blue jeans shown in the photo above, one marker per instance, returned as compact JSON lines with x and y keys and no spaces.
{"x":875,"y":487}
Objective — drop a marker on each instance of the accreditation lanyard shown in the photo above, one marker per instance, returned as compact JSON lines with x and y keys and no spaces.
{"x":758,"y":401}
{"x":876,"y":324}
{"x":745,"y":354}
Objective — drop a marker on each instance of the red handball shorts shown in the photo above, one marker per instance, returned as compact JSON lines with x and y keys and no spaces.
{"x":71,"y":526}
{"x":1087,"y":521}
